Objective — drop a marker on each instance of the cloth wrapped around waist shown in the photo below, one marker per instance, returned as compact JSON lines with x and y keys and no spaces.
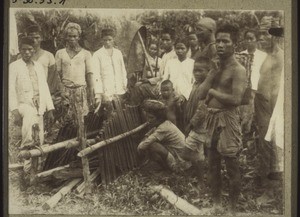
{"x":223,"y":130}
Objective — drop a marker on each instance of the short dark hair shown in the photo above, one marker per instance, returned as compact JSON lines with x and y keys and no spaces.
{"x":202,"y":59}
{"x":254,"y":31}
{"x":156,"y":108}
{"x":182,"y":40}
{"x":26,"y":40}
{"x":231,"y":28}
{"x":107,"y":32}
{"x":33,"y":29}
{"x":166,"y":82}
{"x":170,"y":32}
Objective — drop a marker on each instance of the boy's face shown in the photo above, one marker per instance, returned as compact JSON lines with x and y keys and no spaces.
{"x":224,"y":44}
{"x":151,"y":118}
{"x":72,"y":36}
{"x":193,"y":40}
{"x":108,"y":41}
{"x":200,"y":71}
{"x":166,"y":90}
{"x":152,"y":50}
{"x":181,"y":50}
{"x":167,"y":42}
{"x":27,"y":52}
{"x":36,"y":37}
{"x":250,"y":39}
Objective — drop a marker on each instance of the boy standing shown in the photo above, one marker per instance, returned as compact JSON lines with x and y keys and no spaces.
{"x":110,"y":72}
{"x":194,"y":47}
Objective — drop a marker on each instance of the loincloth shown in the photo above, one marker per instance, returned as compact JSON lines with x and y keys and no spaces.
{"x":223,"y":131}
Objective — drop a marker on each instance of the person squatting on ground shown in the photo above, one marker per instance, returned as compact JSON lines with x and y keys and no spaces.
{"x":73,"y":64}
{"x":223,"y":120}
{"x":109,"y":69}
{"x":29,"y":99}
{"x":164,"y":143}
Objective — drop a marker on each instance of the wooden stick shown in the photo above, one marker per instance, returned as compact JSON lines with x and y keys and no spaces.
{"x":61,"y":193}
{"x":50,"y":172}
{"x":50,"y":148}
{"x":176,"y":201}
{"x":15,"y":166}
{"x":94,"y":175}
{"x":145,"y":52}
{"x":101,"y":144}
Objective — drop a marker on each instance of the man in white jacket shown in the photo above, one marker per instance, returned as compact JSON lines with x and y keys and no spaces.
{"x":29,"y":97}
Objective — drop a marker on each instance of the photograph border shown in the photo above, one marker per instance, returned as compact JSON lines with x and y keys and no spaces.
{"x":290,"y":62}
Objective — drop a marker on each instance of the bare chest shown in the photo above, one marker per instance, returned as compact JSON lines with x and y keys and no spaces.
{"x":224,"y":80}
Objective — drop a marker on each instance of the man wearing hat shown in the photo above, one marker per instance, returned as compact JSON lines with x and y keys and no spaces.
{"x":265,"y":100}
{"x":44,"y":57}
{"x":29,"y":96}
{"x":205,"y":31}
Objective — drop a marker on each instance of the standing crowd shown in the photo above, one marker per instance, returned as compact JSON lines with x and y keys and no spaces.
{"x":200,"y":97}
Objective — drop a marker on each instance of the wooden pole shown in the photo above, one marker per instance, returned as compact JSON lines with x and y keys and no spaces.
{"x":50,"y":172}
{"x":50,"y":148}
{"x":101,"y":144}
{"x":176,"y":201}
{"x":60,"y":194}
{"x":145,"y":52}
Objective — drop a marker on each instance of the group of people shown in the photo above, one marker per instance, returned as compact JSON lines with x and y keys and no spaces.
{"x":192,"y":95}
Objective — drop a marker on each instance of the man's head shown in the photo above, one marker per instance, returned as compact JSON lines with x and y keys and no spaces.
{"x":166,"y":89}
{"x":168,"y":38}
{"x":201,"y":68}
{"x":270,"y":33}
{"x":26,"y":47}
{"x":226,"y":39}
{"x":155,"y":111}
{"x":34,"y":32}
{"x":193,"y":40}
{"x":251,"y":38}
{"x":108,"y":38}
{"x":181,"y":48}
{"x":72,"y":33}
{"x":205,"y":28}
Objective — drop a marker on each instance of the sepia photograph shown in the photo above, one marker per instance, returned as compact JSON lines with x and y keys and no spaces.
{"x":146,"y":112}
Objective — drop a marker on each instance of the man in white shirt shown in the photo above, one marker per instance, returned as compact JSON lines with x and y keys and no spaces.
{"x":29,"y":99}
{"x":247,"y":111}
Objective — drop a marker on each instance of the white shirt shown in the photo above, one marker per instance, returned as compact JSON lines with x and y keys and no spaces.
{"x":109,"y":72}
{"x":21,"y":89}
{"x":181,"y":75}
{"x":164,"y":60}
{"x":258,"y":59}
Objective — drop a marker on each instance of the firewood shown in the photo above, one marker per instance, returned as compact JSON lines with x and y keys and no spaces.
{"x":68,"y":173}
{"x":176,"y":201}
{"x":60,"y":194}
{"x":50,"y":172}
{"x":101,"y":144}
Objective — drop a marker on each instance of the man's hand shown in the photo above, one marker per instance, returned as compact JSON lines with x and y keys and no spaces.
{"x":215,"y":64}
{"x":50,"y":117}
{"x":17,"y":117}
{"x":97,"y":104}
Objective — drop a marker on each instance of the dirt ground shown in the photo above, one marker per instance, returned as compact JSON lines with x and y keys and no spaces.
{"x":131,"y":193}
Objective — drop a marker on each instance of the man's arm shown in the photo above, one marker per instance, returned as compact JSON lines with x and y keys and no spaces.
{"x":207,"y":83}
{"x":238,"y":88}
{"x":89,"y":78}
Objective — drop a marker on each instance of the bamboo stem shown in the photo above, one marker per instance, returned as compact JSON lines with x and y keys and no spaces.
{"x":50,"y":172}
{"x":101,"y":144}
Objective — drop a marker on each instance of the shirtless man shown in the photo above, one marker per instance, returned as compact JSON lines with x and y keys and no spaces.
{"x":264,"y":102}
{"x":222,"y":121}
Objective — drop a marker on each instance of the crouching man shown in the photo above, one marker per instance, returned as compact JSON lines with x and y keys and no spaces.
{"x":164,"y":143}
{"x":29,"y":98}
